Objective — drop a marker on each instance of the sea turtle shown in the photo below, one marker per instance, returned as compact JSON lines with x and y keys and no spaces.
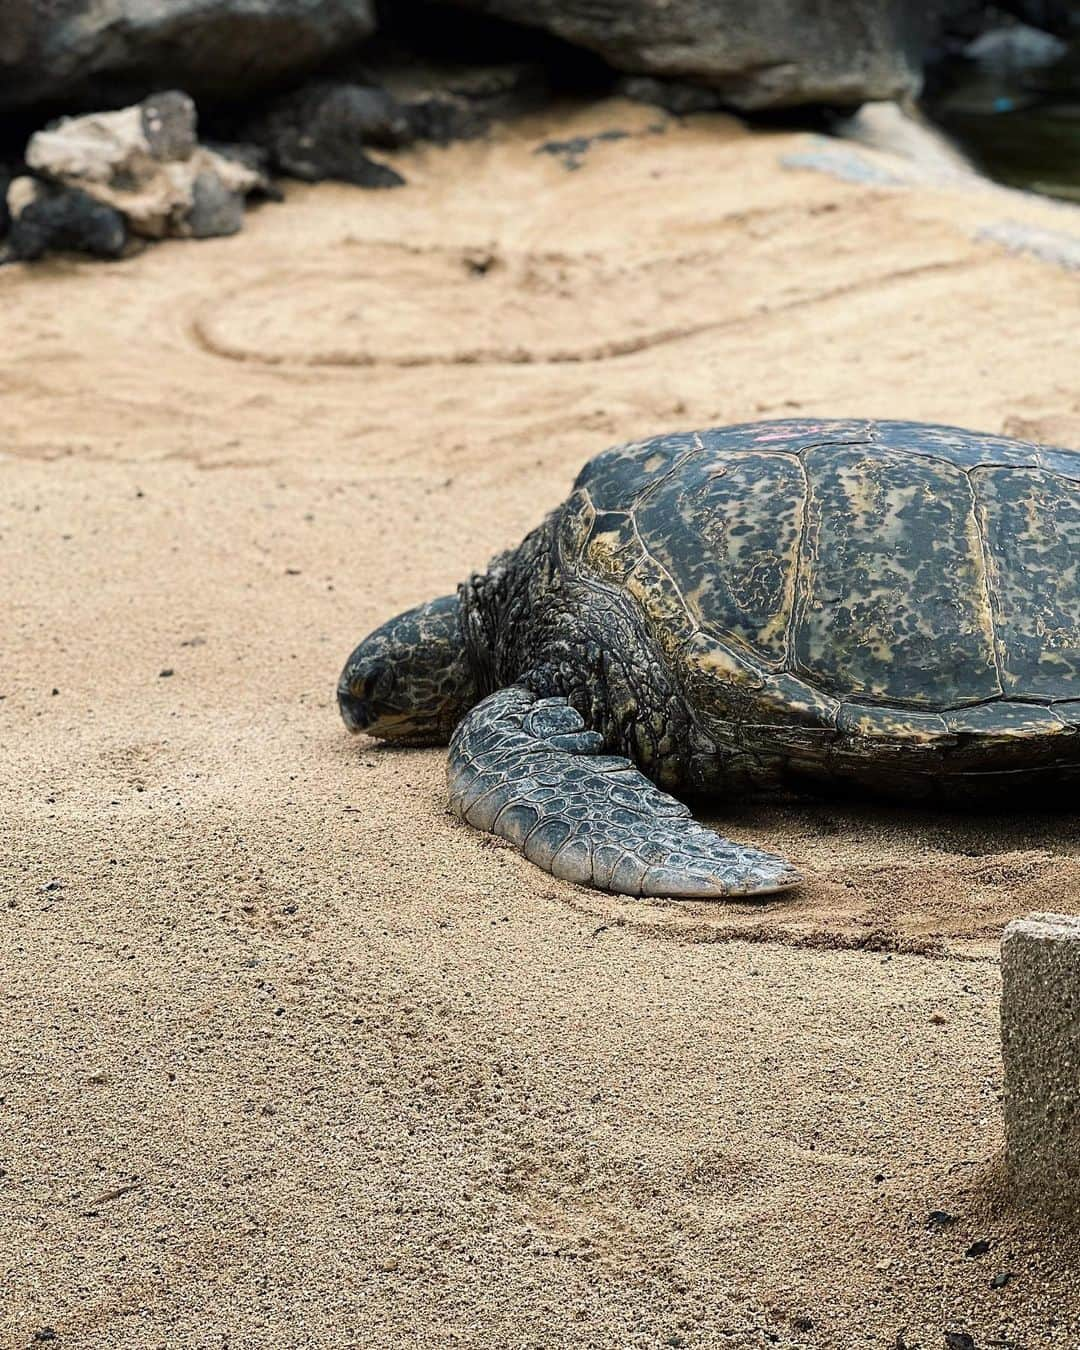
{"x":886,"y":605}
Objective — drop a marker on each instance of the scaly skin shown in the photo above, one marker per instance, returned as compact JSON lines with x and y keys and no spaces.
{"x":526,"y":769}
{"x":417,"y":660}
{"x":531,"y":623}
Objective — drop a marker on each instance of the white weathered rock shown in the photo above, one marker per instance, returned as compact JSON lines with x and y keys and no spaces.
{"x":20,"y":194}
{"x":146,"y":163}
{"x":1040,"y":1036}
{"x":92,"y":148}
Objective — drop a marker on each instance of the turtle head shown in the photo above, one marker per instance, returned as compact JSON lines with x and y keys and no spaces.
{"x":411,"y":680}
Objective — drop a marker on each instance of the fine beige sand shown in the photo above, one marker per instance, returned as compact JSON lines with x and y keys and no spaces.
{"x":288,"y":1056}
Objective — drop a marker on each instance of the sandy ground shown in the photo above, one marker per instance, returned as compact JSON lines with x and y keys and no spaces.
{"x":289,"y":1057}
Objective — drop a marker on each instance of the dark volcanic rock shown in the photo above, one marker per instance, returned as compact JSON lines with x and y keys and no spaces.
{"x":356,"y":113}
{"x":388,"y":97}
{"x":254,"y":158}
{"x":5,"y":214}
{"x":1061,"y":17}
{"x":780,"y":54}
{"x":456,"y":70}
{"x":963,"y":20}
{"x":68,"y":220}
{"x":86,"y":52}
{"x":320,"y":131}
{"x":572,"y":151}
{"x":452,"y":98}
{"x":674,"y":96}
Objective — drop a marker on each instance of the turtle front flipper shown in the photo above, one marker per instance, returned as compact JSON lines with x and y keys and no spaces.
{"x":526,"y":769}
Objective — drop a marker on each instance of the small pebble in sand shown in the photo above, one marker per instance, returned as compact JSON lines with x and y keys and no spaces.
{"x":479,"y":262}
{"x":164,"y":674}
{"x":979,"y":1248}
{"x":1002,"y":1279}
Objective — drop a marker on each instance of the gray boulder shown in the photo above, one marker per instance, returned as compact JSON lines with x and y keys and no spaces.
{"x":772,"y":54}
{"x":1010,"y":51}
{"x":112,"y":51}
{"x":215,"y":209}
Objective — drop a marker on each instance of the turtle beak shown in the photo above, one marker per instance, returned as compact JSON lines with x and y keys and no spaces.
{"x":354,"y":711}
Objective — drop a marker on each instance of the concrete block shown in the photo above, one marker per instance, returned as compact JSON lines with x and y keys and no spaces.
{"x":1040,"y":1038}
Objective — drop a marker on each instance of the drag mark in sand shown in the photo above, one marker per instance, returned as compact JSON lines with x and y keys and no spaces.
{"x":407,"y":309}
{"x":941,"y":906}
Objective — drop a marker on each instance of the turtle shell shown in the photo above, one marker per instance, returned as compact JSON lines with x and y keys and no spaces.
{"x":876,"y":580}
